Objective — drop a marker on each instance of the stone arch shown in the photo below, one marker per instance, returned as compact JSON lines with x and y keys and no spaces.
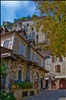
{"x":62,"y":84}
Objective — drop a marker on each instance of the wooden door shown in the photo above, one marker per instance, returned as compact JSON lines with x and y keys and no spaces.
{"x":62,"y":84}
{"x":53,"y":85}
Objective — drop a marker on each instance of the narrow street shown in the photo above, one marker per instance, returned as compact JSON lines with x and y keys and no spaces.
{"x":49,"y":95}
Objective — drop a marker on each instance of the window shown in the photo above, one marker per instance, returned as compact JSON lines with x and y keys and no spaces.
{"x":21,"y":49}
{"x":15,"y":25}
{"x":29,"y":36}
{"x":27,"y":24}
{"x":37,"y":38}
{"x":35,"y":57}
{"x":57,"y":68}
{"x":6,"y":43}
{"x":28,"y":74}
{"x":20,"y":75}
{"x":60,"y":59}
{"x":32,"y":28}
{"x":53,"y":59}
{"x":30,"y":54}
{"x":42,"y":62}
{"x":27,"y":30}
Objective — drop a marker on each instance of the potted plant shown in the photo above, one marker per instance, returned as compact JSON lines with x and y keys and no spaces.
{"x":22,"y":85}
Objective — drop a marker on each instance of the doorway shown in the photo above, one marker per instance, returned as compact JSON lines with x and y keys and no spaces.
{"x":53,"y":85}
{"x":62,"y":84}
{"x":46,"y":84}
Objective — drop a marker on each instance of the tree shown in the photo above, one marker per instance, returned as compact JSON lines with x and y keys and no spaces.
{"x":27,"y":17}
{"x":53,"y":23}
{"x":3,"y":68}
{"x":34,"y":15}
{"x":22,"y":18}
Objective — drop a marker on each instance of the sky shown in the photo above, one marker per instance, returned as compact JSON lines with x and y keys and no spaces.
{"x":11,"y":10}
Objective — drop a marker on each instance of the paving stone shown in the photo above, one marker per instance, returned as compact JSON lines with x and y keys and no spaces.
{"x":49,"y":95}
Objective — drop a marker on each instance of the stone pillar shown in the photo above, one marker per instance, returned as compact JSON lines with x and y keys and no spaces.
{"x":57,"y":84}
{"x":49,"y":84}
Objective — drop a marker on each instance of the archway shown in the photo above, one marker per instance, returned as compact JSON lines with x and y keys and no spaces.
{"x":62,"y":84}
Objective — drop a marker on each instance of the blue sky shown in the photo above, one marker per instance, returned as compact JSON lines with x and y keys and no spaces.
{"x":11,"y":10}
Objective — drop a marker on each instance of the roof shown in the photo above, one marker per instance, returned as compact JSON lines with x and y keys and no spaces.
{"x":60,"y":76}
{"x":45,"y":53}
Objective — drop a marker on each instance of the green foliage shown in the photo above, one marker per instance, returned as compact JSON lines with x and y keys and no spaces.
{"x":6,"y":96}
{"x":12,"y":24}
{"x":24,"y":85}
{"x":3,"y":69}
{"x":34,"y":15}
{"x":22,"y":18}
{"x":54,"y":23}
{"x":16,"y":84}
{"x":4,"y":25}
{"x":28,"y":17}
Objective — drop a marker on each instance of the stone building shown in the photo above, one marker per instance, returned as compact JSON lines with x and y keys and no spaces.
{"x":54,"y":79}
{"x":23,"y":61}
{"x":28,"y":26}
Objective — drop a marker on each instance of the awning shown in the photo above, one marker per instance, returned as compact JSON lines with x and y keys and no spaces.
{"x":47,"y":78}
{"x":60,"y":76}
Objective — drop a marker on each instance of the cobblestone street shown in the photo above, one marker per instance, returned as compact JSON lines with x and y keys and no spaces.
{"x":49,"y":95}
